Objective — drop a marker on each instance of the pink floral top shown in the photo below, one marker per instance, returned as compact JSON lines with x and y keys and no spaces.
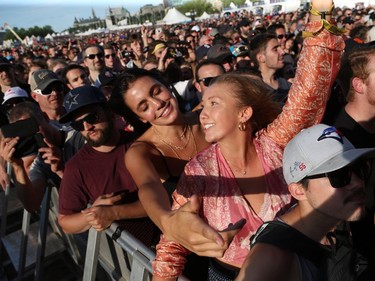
{"x":209,"y":175}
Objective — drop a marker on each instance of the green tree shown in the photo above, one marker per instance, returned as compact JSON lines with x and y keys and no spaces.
{"x":198,"y":6}
{"x":36,"y":31}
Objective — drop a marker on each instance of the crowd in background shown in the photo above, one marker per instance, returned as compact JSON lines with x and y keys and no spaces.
{"x":187,"y":60}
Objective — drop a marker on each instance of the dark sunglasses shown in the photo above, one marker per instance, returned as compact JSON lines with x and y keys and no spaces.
{"x":207,"y":81}
{"x":58,"y":88}
{"x":110,"y":55}
{"x":281,"y":36}
{"x":92,"y":56}
{"x":342,"y":177}
{"x":92,"y":118}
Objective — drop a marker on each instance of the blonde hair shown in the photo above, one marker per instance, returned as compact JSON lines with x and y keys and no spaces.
{"x":250,"y":90}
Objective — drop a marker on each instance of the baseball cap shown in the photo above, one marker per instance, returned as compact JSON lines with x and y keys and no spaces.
{"x":158,"y":47}
{"x":347,"y":20}
{"x":213,"y":32}
{"x":317,"y":150}
{"x":219,"y":52}
{"x":14,"y":92}
{"x":80,"y":97}
{"x":201,"y":52}
{"x":195,"y":28}
{"x":41,"y":78}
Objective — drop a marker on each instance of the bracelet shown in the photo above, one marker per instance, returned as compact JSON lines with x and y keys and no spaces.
{"x":327,"y":26}
{"x":322,"y":14}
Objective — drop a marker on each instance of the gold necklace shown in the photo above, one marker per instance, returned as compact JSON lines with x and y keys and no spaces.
{"x":189,"y":157}
{"x":236,"y":169}
{"x":181,"y":137}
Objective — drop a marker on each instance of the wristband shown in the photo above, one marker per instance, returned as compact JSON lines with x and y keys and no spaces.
{"x":327,"y":26}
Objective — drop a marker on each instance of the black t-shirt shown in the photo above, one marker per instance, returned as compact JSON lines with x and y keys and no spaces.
{"x":363,"y":231}
{"x":355,"y":133}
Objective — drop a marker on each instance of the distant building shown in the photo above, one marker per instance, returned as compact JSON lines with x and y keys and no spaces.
{"x":114,"y":15}
{"x":150,"y":9}
{"x":91,"y":21}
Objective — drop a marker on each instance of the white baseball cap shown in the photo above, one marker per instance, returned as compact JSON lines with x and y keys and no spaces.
{"x":14,"y":92}
{"x":317,"y":150}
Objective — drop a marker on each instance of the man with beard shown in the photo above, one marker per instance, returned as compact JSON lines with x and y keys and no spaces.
{"x":268,"y":57}
{"x":93,"y":58}
{"x":97,"y":173}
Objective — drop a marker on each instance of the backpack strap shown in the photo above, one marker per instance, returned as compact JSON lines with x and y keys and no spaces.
{"x":288,"y":238}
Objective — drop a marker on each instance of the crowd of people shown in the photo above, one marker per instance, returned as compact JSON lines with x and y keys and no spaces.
{"x":196,"y":136}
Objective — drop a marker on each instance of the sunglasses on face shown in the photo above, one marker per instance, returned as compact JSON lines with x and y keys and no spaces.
{"x":92,"y":56}
{"x":207,"y":81}
{"x":281,"y":36}
{"x":342,"y":177}
{"x":92,"y":118}
{"x":110,"y":55}
{"x":57,"y":88}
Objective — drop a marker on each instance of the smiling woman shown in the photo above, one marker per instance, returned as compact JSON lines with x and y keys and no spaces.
{"x":240,"y":175}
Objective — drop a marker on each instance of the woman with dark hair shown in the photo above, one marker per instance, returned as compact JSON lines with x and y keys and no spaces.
{"x":249,"y":142}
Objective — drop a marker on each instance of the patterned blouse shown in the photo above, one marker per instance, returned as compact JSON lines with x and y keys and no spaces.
{"x":209,"y":175}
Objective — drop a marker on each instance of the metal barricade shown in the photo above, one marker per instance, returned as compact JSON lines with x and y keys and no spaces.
{"x":136,"y":257}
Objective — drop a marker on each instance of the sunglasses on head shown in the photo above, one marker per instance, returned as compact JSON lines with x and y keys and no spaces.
{"x":92,"y":56}
{"x":207,"y":81}
{"x":110,"y":55}
{"x":58,"y":88}
{"x":342,"y":177}
{"x":92,"y":118}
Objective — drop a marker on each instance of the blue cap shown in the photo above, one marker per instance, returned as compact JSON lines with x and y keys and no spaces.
{"x":79,"y":97}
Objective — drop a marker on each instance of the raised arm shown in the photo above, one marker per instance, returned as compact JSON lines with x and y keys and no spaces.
{"x":316,"y":71}
{"x":29,"y":192}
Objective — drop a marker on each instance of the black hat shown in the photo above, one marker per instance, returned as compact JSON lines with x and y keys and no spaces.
{"x":219,"y":53}
{"x":201,"y":52}
{"x":79,"y":97}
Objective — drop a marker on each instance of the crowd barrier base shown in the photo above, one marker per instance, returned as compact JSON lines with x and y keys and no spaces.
{"x":122,"y":256}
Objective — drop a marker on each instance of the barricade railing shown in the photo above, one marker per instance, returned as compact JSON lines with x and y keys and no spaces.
{"x":136,"y":258}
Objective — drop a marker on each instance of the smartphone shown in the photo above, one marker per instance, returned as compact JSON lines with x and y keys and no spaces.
{"x":26,"y":130}
{"x":39,"y":138}
{"x":22,"y":128}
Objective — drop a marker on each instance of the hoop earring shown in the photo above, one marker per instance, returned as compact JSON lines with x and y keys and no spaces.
{"x":242,"y":126}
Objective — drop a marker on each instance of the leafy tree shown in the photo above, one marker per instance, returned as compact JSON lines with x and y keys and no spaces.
{"x":36,"y":31}
{"x":199,"y":6}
